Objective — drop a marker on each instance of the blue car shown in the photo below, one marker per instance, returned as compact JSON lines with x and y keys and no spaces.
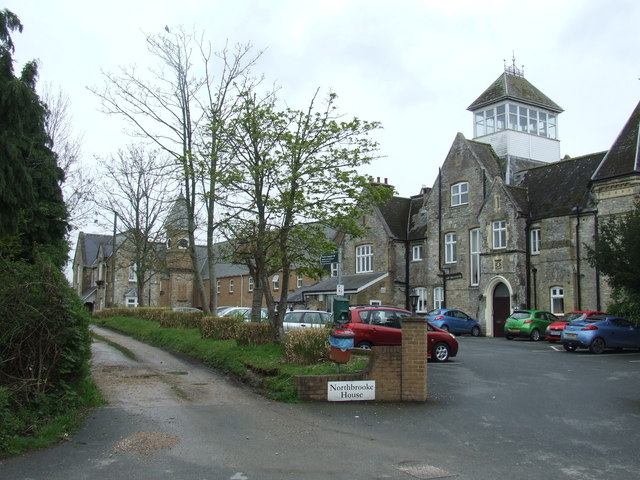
{"x":453,"y":321}
{"x":599,"y":332}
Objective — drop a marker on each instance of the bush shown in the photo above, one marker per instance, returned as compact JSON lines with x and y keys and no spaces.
{"x":180,"y":319}
{"x":307,"y":346}
{"x":219,"y":328}
{"x":45,"y":344}
{"x":254,"y":333}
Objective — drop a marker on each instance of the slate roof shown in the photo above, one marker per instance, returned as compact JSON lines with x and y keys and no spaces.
{"x":623,"y":158}
{"x":90,"y":244}
{"x":486,"y":156}
{"x":557,"y":188}
{"x":514,"y":87}
{"x":352,"y":283}
{"x":178,"y":216}
{"x":396,"y":215}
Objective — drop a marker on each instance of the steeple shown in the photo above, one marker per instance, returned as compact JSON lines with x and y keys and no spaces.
{"x":517,"y":120}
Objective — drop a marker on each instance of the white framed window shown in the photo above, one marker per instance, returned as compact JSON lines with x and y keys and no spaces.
{"x":251,"y":284}
{"x":557,"y":300}
{"x":416,"y":252}
{"x":364,"y":258}
{"x":132,"y":272}
{"x":276,"y":282}
{"x":218,"y":287}
{"x":438,"y":297}
{"x":422,"y":300}
{"x":535,"y":241}
{"x":299,"y":280}
{"x":499,"y":228}
{"x":131,"y":301}
{"x":474,"y":256}
{"x":334,"y":269}
{"x":232,"y":284}
{"x":450,"y":247}
{"x":460,"y":194}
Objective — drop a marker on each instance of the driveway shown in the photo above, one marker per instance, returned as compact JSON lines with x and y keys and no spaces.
{"x":501,"y":409}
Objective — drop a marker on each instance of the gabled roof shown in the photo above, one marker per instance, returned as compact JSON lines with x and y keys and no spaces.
{"x":623,"y":158}
{"x":90,"y":244}
{"x":514,"y":87}
{"x":487,"y":157}
{"x":396,"y":215}
{"x":557,"y":188}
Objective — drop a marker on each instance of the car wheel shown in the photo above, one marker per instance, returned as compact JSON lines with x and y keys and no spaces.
{"x":597,"y":346}
{"x":509,"y":337}
{"x":569,"y":348}
{"x":440,"y":352}
{"x":445,"y":327}
{"x":364,"y":345}
{"x":535,"y":335}
{"x":475,"y":331}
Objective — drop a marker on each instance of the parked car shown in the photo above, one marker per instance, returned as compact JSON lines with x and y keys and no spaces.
{"x":554,"y":331}
{"x":306,"y":319}
{"x":528,"y":323}
{"x":381,"y":325}
{"x":454,"y":321}
{"x":186,"y":309}
{"x":599,"y":332}
{"x":242,"y":312}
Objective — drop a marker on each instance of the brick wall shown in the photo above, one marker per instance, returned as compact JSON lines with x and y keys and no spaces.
{"x":400,"y":372}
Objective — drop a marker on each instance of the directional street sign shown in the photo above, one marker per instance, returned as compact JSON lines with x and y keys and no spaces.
{"x":328,"y":258}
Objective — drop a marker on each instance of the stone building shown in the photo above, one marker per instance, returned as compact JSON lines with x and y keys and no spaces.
{"x":504,"y":225}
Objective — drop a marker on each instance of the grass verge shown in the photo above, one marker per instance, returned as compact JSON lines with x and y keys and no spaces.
{"x":260,"y":366}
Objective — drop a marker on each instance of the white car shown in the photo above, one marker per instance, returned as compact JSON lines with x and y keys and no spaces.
{"x":242,"y":312}
{"x":306,"y":319}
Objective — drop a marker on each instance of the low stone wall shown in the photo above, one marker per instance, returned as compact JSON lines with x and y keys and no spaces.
{"x":400,"y":372}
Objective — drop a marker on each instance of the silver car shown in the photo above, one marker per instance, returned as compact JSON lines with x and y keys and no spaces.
{"x":306,"y":319}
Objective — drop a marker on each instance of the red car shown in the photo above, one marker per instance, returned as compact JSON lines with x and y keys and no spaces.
{"x":554,"y":331}
{"x":380,"y":325}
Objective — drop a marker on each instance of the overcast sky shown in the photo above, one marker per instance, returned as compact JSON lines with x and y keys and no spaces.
{"x":415,"y":66}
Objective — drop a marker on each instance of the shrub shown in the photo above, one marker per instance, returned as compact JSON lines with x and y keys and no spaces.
{"x":307,"y":346}
{"x":219,"y":328}
{"x":254,"y":333}
{"x":179,"y":319}
{"x":45,"y":344}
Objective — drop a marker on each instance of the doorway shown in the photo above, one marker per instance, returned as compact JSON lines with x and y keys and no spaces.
{"x":501,"y":308}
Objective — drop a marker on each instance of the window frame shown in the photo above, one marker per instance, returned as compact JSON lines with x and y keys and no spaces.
{"x":276,"y":282}
{"x":450,"y":248}
{"x":535,"y":241}
{"x":459,"y":197}
{"x":438,"y":297}
{"x":232,"y":285}
{"x":364,"y":258}
{"x":421,"y":307}
{"x":499,"y":234}
{"x":250,"y":284}
{"x":475,"y":250}
{"x":556,"y":294}
{"x":417,"y":252}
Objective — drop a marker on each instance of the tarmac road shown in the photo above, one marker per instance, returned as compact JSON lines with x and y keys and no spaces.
{"x":513,"y":410}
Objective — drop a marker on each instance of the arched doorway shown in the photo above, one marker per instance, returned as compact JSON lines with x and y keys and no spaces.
{"x":501,"y":308}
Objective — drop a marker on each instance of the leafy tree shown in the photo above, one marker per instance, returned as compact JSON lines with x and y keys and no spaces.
{"x":293,"y":174}
{"x":33,"y":216}
{"x":617,"y":253}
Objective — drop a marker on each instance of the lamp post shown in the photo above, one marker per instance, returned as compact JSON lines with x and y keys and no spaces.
{"x":413,"y":299}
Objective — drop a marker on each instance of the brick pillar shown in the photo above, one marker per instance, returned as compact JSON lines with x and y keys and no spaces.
{"x":414,"y":359}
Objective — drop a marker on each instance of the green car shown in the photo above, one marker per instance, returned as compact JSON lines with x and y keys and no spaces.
{"x":528,"y":323}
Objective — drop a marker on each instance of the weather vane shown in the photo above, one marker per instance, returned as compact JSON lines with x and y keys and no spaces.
{"x":512,"y":69}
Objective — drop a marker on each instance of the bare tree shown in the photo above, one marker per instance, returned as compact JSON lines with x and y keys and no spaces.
{"x":179,"y":107}
{"x":137,"y":192}
{"x":79,"y":183}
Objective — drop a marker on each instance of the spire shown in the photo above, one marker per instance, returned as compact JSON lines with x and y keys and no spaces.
{"x":178,"y":218}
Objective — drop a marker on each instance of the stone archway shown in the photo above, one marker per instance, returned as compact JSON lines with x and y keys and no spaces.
{"x":501,"y":300}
